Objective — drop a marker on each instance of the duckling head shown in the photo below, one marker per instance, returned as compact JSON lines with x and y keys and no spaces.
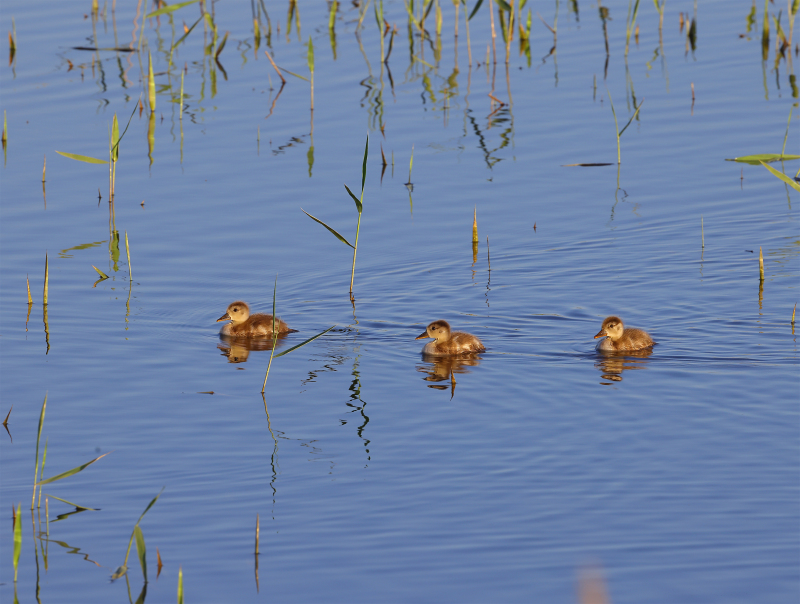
{"x":438,"y":330}
{"x":238,"y":312}
{"x":612,"y":327}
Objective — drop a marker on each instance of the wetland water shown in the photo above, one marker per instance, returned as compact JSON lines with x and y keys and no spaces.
{"x":676,"y":474}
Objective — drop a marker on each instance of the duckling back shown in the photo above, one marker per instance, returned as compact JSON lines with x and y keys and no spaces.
{"x":458,"y":343}
{"x":631,"y":339}
{"x":257,"y":325}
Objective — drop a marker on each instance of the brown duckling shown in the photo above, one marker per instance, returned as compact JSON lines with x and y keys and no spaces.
{"x":617,"y":337}
{"x":243,"y":324}
{"x":448,"y":342}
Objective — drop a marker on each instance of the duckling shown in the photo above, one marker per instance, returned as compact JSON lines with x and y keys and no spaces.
{"x":447,"y":342}
{"x":243,"y":324}
{"x":620,"y":338}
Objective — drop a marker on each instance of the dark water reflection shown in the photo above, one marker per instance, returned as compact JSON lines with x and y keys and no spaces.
{"x":612,"y":364}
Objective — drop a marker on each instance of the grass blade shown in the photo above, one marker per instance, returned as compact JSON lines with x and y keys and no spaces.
{"x":170,"y":9}
{"x":151,"y":84}
{"x":356,"y":199}
{"x":141,"y":550}
{"x":765,"y":157}
{"x":70,"y":472}
{"x":280,"y":354}
{"x":790,"y":181}
{"x":38,"y":438}
{"x":75,"y":505}
{"x":180,"y":585}
{"x":274,"y":337}
{"x":17,"y":539}
{"x":83,"y":158}
{"x":338,"y":236}
{"x":363,"y":170}
{"x":99,"y":272}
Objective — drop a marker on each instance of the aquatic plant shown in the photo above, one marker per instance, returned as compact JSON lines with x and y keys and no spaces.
{"x":359,"y":206}
{"x":140,"y":545}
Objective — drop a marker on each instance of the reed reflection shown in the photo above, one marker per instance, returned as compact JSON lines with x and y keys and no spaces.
{"x":612,"y":364}
{"x":238,"y":349}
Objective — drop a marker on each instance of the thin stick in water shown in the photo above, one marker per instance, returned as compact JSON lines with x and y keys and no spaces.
{"x":760,"y":265}
{"x":46,"y":279}
{"x":258,"y":531}
{"x":30,"y":299}
{"x":44,"y":168}
{"x":475,"y":225}
{"x":702,"y":234}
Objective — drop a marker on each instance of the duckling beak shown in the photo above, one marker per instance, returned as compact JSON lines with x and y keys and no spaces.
{"x":600,"y":334}
{"x":423,"y":335}
{"x":225,"y":317}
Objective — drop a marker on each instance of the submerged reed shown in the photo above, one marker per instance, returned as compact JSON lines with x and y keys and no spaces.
{"x":760,"y":265}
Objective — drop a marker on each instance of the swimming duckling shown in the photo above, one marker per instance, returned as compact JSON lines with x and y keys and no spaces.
{"x":620,"y":338}
{"x":447,"y":342}
{"x":243,"y":324}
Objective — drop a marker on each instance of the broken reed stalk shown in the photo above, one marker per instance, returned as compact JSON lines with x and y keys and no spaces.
{"x":702,"y":234}
{"x":28,"y":282}
{"x":278,"y":71}
{"x":258,"y":530}
{"x":488,"y":256}
{"x":760,"y":265}
{"x":311,"y":69}
{"x":475,"y":225}
{"x":44,"y":169}
{"x":46,"y":280}
{"x":793,"y":311}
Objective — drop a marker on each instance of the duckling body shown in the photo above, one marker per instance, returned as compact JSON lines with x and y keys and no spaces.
{"x":448,"y":342}
{"x":243,"y":324}
{"x":618,"y":338}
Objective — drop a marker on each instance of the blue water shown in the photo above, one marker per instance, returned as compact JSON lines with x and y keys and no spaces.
{"x":373,"y":476}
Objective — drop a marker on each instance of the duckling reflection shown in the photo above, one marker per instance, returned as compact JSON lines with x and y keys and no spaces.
{"x":612,"y":364}
{"x":448,"y":342}
{"x":238,"y":349}
{"x":618,"y":338}
{"x":443,"y":368}
{"x":243,"y":324}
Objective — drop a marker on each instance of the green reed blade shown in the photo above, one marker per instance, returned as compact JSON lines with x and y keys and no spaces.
{"x":280,"y":354}
{"x":101,"y":273}
{"x":310,"y":56}
{"x":75,"y":505}
{"x":297,"y":75}
{"x":83,"y":158}
{"x":41,"y":470}
{"x":790,"y":181}
{"x":151,"y":83}
{"x":763,"y":157}
{"x":274,"y":335}
{"x":359,"y":205}
{"x":221,"y":45}
{"x":38,"y":438}
{"x":633,"y":117}
{"x":114,"y":139}
{"x":338,"y":236}
{"x":180,"y":585}
{"x":128,"y":252}
{"x":17,"y":539}
{"x":141,"y":550}
{"x":170,"y":9}
{"x":130,"y":541}
{"x":184,"y":36}
{"x":786,"y":136}
{"x":364,"y":169}
{"x":70,"y":472}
